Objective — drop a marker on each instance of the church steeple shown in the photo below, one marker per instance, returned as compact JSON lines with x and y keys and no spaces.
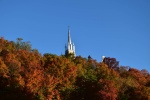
{"x":71,"y":46}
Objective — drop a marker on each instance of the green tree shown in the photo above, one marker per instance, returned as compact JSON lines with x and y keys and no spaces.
{"x":22,"y":45}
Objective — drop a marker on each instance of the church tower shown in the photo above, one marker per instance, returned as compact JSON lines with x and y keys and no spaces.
{"x":70,"y":49}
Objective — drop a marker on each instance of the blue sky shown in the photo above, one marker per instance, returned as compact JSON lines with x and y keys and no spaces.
{"x":113,"y":28}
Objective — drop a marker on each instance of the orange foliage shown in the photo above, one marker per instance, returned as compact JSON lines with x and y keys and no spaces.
{"x":50,"y":77}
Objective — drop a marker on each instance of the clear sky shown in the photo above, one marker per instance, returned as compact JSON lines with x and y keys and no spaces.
{"x":113,"y":28}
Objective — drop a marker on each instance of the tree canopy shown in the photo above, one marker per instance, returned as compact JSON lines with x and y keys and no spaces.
{"x":25,"y":74}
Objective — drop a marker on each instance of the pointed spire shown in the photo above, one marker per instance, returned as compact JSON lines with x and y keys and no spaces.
{"x":71,"y":46}
{"x":69,"y":37}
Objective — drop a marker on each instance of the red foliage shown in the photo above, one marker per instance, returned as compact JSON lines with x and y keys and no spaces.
{"x":107,"y":91}
{"x":137,"y":75}
{"x":33,"y":76}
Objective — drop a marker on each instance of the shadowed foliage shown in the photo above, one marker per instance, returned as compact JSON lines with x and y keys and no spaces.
{"x":25,"y":74}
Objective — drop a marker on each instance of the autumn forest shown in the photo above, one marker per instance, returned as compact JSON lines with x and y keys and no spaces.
{"x":26,"y":74}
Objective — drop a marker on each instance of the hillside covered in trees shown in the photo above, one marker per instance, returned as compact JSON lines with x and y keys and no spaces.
{"x":25,"y":74}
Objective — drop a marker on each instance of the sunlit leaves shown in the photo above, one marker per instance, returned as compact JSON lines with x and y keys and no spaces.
{"x":50,"y":77}
{"x":3,"y":69}
{"x":63,"y":70}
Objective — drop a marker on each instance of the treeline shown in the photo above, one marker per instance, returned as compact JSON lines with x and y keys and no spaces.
{"x":25,"y":74}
